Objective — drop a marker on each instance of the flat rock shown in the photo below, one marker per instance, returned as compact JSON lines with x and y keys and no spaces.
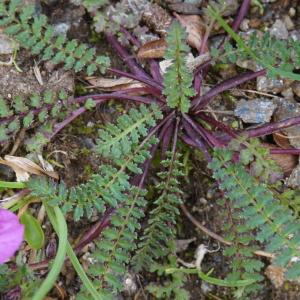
{"x":279,"y":30}
{"x":255,"y":111}
{"x":7,"y":45}
{"x":288,"y":109}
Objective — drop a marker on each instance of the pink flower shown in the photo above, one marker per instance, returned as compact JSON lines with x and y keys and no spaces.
{"x":11,"y":234}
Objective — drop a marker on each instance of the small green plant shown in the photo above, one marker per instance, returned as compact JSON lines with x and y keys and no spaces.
{"x":24,"y":113}
{"x":135,"y":232}
{"x":178,"y":74}
{"x":279,"y":57}
{"x":32,"y":32}
{"x":255,"y":208}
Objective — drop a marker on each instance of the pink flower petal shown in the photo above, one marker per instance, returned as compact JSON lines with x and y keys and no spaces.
{"x":11,"y":234}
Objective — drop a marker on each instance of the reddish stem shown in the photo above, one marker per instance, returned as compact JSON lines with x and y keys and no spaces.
{"x":166,"y":138}
{"x":285,"y":151}
{"x":241,"y":14}
{"x":194,"y":140}
{"x":154,"y":65}
{"x":98,"y":99}
{"x":271,"y":128}
{"x":126,"y":57}
{"x":200,"y":102}
{"x":207,"y":136}
{"x":218,"y":124}
{"x":95,"y":231}
{"x":156,"y":87}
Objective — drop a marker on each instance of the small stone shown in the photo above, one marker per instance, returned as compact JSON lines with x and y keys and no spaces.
{"x":203,"y":201}
{"x":206,"y":288}
{"x":61,"y":28}
{"x":279,"y":30}
{"x":249,"y":64}
{"x":295,"y":35}
{"x":129,"y":284}
{"x":255,"y":111}
{"x":292,"y":12}
{"x":276,"y":275}
{"x":296,"y":88}
{"x":288,"y":109}
{"x":182,"y":245}
{"x":231,"y":8}
{"x":288,"y":93}
{"x":289,"y":24}
{"x":6,"y":173}
{"x":265,"y":84}
{"x":245,"y":25}
{"x":6,"y":44}
{"x":294,"y":180}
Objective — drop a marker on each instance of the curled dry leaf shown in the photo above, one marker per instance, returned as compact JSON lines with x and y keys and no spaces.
{"x":23,"y":167}
{"x":153,"y":49}
{"x":281,"y":140}
{"x":195,"y":29}
{"x":191,"y":62}
{"x":112,"y":84}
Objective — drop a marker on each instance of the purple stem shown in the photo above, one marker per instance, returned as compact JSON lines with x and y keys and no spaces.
{"x":150,"y":82}
{"x":271,"y":128}
{"x":175,"y":137}
{"x":236,"y":24}
{"x":192,"y":139}
{"x":285,"y":151}
{"x":155,"y":70}
{"x":138,"y":180}
{"x":207,"y":136}
{"x":197,"y":83}
{"x":98,"y":99}
{"x":115,"y":95}
{"x":241,"y":14}
{"x":202,"y":67}
{"x":200,"y":102}
{"x":154,"y":65}
{"x":166,"y":138}
{"x":218,"y":124}
{"x":95,"y":231}
{"x":126,"y":57}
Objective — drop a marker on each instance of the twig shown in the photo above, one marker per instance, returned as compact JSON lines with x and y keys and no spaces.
{"x":218,"y":237}
{"x":203,"y":228}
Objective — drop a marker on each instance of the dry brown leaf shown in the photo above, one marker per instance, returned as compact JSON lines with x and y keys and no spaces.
{"x":282,"y":140}
{"x":112,"y":84}
{"x":191,"y":62}
{"x":23,"y":167}
{"x":195,"y":29}
{"x":153,"y":49}
{"x":286,"y":162}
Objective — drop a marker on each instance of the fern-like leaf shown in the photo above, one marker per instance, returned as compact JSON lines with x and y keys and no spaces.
{"x":276,"y":225}
{"x":35,"y":111}
{"x":34,"y":33}
{"x":160,"y":230}
{"x":178,"y":79}
{"x":117,"y":139}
